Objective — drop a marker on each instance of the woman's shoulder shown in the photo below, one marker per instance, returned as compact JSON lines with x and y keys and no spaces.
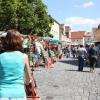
{"x":10,"y":52}
{"x":25,"y":56}
{"x":2,"y":53}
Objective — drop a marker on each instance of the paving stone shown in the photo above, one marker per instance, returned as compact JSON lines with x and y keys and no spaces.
{"x":92,"y":97}
{"x":78,"y":98}
{"x":85,"y":97}
{"x":64,"y":81}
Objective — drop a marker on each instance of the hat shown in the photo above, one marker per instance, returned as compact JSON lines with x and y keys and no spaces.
{"x":3,"y":34}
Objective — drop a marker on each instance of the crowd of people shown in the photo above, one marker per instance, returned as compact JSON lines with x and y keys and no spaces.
{"x":18,"y":54}
{"x":21,"y":53}
{"x":44,"y":51}
{"x":87,"y":55}
{"x":41,"y":51}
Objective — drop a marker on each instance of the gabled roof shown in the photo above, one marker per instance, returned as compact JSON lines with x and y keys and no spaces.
{"x":55,"y":21}
{"x":77,"y":34}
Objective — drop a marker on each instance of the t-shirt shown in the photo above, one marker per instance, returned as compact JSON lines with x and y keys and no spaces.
{"x":25,"y":43}
{"x":81,"y":52}
{"x":92,"y":52}
{"x":39,"y":47}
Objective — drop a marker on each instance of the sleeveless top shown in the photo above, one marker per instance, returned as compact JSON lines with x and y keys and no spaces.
{"x":11,"y":75}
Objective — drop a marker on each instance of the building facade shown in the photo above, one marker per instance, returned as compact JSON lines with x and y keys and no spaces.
{"x":55,"y":30}
{"x":97,"y":35}
{"x":60,"y":32}
{"x":88,"y":38}
{"x":77,"y":37}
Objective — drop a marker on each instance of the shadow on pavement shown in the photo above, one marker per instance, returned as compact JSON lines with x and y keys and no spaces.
{"x":71,"y":62}
{"x":78,"y":71}
{"x":99,"y":73}
{"x":75,"y":62}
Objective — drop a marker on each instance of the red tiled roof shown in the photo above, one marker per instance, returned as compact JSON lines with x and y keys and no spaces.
{"x":77,"y":35}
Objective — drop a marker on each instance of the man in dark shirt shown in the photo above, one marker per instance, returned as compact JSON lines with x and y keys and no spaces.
{"x":92,"y":57}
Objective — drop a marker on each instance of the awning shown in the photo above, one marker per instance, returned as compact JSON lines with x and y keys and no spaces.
{"x":52,"y":39}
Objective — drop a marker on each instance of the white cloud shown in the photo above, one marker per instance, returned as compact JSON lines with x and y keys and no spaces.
{"x":85,"y":5}
{"x":82,"y":21}
{"x":78,"y":23}
{"x":88,"y":4}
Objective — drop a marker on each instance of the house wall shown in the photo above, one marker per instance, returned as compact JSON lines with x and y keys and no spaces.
{"x":97,"y":35}
{"x":87,"y":40}
{"x":59,"y":30}
{"x":55,"y":31}
{"x":77,"y":41}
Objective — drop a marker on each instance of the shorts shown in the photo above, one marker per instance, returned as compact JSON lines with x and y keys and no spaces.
{"x":35,"y":57}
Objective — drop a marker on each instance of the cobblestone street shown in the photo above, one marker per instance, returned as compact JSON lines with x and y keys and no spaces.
{"x":64,"y":82}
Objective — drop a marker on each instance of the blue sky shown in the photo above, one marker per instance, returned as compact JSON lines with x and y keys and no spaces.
{"x":79,"y":14}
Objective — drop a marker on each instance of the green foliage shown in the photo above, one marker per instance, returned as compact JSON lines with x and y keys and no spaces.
{"x":28,"y":16}
{"x":8,"y":16}
{"x":43,"y":19}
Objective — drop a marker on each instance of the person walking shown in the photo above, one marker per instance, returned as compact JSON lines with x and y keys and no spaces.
{"x":25,"y":44}
{"x":92,"y":57}
{"x":12,"y":65}
{"x":81,"y":52}
{"x":87,"y":47}
{"x":67,"y":52}
{"x":73,"y":51}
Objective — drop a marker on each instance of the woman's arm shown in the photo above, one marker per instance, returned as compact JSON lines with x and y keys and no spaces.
{"x":28,"y":77}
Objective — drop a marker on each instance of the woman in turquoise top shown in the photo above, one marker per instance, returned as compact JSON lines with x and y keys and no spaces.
{"x":12,"y":64}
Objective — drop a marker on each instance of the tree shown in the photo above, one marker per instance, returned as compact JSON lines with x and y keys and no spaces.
{"x":28,"y":16}
{"x":43,"y":19}
{"x":8,"y":16}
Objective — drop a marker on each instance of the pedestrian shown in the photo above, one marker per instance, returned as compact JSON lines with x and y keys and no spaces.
{"x":38,"y":46}
{"x":46,"y":58}
{"x":92,"y":57}
{"x":74,"y":51}
{"x":87,"y":47}
{"x":35,"y":57}
{"x":67,"y":52}
{"x":12,"y":65}
{"x":26,"y":44}
{"x":81,"y":52}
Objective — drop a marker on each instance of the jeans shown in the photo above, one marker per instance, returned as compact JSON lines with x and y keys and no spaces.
{"x":80,"y":63}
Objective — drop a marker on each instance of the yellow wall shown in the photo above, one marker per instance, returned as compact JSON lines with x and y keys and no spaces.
{"x":97,"y":35}
{"x":55,"y":30}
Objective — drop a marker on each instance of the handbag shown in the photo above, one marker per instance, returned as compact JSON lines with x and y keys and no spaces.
{"x":30,"y":87}
{"x":31,"y":92}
